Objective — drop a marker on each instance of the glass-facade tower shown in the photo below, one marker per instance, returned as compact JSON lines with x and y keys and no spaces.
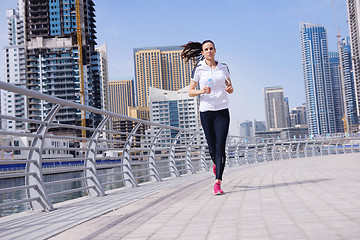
{"x":348,"y":86}
{"x":318,"y":86}
{"x":353,"y":7}
{"x":334,"y":63}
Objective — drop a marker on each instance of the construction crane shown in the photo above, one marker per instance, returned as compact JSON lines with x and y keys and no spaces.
{"x":80,"y":63}
{"x":336,"y":22}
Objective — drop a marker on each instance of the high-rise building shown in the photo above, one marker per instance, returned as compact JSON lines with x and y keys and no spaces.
{"x":318,"y":87}
{"x":121,"y":96}
{"x":162,"y":68}
{"x":287,"y":111}
{"x":275,"y":108}
{"x":246,"y":129}
{"x":53,"y":57}
{"x":298,"y":116}
{"x":121,"y":100}
{"x":249,"y":128}
{"x":337,"y":92}
{"x":104,"y":76}
{"x":174,"y":108}
{"x":13,"y":104}
{"x":353,"y":7}
{"x":351,"y":123}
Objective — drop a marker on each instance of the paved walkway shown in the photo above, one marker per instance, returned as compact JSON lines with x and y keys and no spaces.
{"x":308,"y":198}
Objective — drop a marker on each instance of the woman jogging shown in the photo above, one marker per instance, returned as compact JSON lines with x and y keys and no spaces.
{"x":214,"y":83}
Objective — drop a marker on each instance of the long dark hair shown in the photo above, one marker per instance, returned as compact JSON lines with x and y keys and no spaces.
{"x":193,"y":50}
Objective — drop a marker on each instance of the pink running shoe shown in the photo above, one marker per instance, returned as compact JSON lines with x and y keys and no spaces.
{"x":214,"y":169}
{"x":217,"y":189}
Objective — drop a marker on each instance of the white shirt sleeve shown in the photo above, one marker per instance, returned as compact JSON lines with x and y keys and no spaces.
{"x":195,"y":76}
{"x":227,"y":72}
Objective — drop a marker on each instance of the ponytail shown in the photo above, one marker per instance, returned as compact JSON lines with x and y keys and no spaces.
{"x":193,"y":50}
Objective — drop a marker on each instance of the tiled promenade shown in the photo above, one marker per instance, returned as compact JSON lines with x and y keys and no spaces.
{"x":308,"y":198}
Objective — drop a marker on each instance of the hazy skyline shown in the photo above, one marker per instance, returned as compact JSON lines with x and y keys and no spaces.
{"x":259,"y":40}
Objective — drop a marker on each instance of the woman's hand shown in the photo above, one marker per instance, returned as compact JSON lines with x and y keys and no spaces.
{"x":229,"y":88}
{"x":206,"y":90}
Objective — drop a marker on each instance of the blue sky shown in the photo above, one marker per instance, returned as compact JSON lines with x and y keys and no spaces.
{"x":259,"y":40}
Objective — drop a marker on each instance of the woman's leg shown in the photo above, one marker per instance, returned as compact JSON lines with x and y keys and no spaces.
{"x":221,"y":128}
{"x":207,"y":122}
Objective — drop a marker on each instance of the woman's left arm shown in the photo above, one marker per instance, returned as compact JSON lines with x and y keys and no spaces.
{"x":229,"y":87}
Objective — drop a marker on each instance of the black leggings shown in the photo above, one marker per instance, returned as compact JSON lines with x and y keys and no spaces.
{"x":216,"y":127}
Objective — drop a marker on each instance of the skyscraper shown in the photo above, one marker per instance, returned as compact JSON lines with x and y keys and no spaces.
{"x":287,"y":111}
{"x":13,"y":104}
{"x":53,"y":57}
{"x":104,"y":76}
{"x":318,"y":87}
{"x":337,"y":90}
{"x":298,"y":116}
{"x":121,"y":96}
{"x":353,"y":7}
{"x":275,"y":108}
{"x":348,"y":86}
{"x":162,"y":68}
{"x":246,"y":129}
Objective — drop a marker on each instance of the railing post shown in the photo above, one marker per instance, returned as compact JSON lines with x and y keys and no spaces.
{"x":256,"y":152}
{"x":290,"y":149}
{"x":36,"y":167}
{"x":264,"y":151}
{"x":237,"y":158}
{"x":151,"y":159}
{"x":321,"y":148}
{"x":313,"y":148}
{"x":298,"y":149}
{"x":273,"y":151}
{"x":246,"y":154}
{"x":204,"y":165}
{"x":337,"y":144}
{"x":91,"y":154}
{"x":305,"y":148}
{"x":189,"y":165}
{"x":329,"y":149}
{"x":126,"y":165}
{"x":344,"y":144}
{"x":282,"y":150}
{"x":175,"y":171}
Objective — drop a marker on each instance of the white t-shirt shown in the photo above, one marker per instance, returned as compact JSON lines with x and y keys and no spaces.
{"x":218,"y":98}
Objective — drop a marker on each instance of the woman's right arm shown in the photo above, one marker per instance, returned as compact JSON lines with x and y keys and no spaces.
{"x":193,"y":92}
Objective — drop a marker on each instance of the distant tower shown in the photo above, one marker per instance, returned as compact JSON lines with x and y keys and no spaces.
{"x":104,"y":76}
{"x":353,"y":7}
{"x":348,"y":86}
{"x":337,"y":90}
{"x":121,"y":96}
{"x":162,"y":68}
{"x":13,"y":104}
{"x":298,"y":116}
{"x":246,"y":129}
{"x":287,"y":111}
{"x":318,"y":87}
{"x":275,"y":108}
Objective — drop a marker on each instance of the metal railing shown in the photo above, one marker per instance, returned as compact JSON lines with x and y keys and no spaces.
{"x":53,"y":163}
